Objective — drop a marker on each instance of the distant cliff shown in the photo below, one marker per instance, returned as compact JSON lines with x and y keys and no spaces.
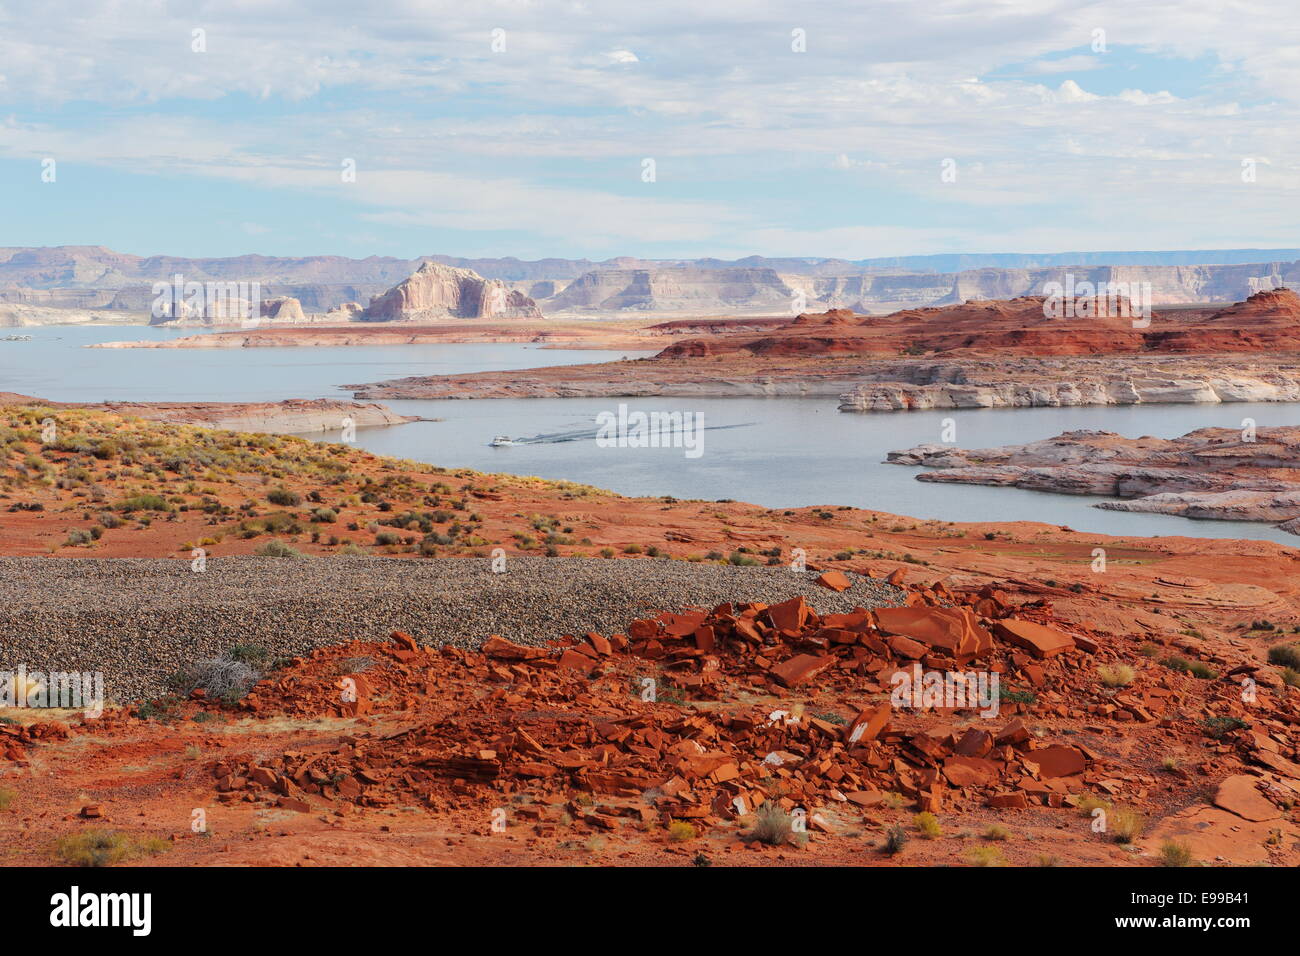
{"x":92,"y":277}
{"x":438,"y":291}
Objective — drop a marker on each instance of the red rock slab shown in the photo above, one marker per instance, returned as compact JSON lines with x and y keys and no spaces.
{"x":1015,"y":732}
{"x":1009,"y":801}
{"x":499,"y":648}
{"x":1278,"y":764}
{"x":974,"y":743}
{"x":906,"y":647}
{"x":800,"y":668}
{"x":1057,"y":761}
{"x":1038,"y":639}
{"x":1216,"y":835}
{"x":952,"y":629}
{"x":835,"y":580}
{"x":868,"y":724}
{"x":578,"y":662}
{"x":970,"y":771}
{"x":404,"y":640}
{"x":1238,"y":794}
{"x":789,"y":615}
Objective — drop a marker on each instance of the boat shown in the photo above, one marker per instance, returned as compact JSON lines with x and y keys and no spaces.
{"x":501,"y":441}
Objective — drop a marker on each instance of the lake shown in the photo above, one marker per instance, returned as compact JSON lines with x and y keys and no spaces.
{"x":796,"y":451}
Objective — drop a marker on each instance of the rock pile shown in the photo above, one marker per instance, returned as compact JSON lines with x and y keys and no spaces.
{"x":578,"y":718}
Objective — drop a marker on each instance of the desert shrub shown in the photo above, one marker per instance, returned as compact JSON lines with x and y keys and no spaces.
{"x":224,"y":677}
{"x":277,"y":549}
{"x":986,"y":856}
{"x":742,"y":560}
{"x":772,"y":825}
{"x":254,"y":655}
{"x":1013,"y":695}
{"x":679,"y":831}
{"x":1285,"y":655}
{"x":6,"y":798}
{"x":143,"y":503}
{"x":1218,"y":727}
{"x":325,"y":515}
{"x":1089,"y":802}
{"x":105,"y":847}
{"x":1125,"y":824}
{"x":1202,"y":670}
{"x":1116,"y":675}
{"x":928,"y":825}
{"x":1175,"y":853}
{"x":1291,"y":677}
{"x":355,"y":665}
{"x":278,"y":523}
{"x":78,"y":537}
{"x":895,"y":840}
{"x":388,"y":538}
{"x":997,"y":832}
{"x":284,"y":497}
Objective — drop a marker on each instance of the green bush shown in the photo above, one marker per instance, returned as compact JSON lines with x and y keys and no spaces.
{"x":143,"y":503}
{"x":1285,"y":655}
{"x":277,"y":549}
{"x":284,"y":498}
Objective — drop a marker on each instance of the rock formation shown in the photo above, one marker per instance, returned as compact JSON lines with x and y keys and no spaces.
{"x":436,"y":291}
{"x":284,"y":309}
{"x":675,"y":290}
{"x":1217,"y":473}
{"x":92,"y":277}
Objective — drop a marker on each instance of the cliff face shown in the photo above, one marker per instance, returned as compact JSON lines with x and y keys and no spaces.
{"x":675,"y":290}
{"x":437,"y":291}
{"x":284,"y":310}
{"x":92,"y":277}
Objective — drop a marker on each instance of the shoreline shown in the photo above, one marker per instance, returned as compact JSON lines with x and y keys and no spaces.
{"x":293,"y":416}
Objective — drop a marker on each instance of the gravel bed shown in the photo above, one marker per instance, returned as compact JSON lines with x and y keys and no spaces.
{"x":138,"y":621}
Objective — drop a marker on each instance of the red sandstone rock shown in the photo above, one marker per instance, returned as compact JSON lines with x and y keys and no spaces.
{"x":1039,"y":640}
{"x":1239,"y":794}
{"x":800,"y":668}
{"x":835,"y":580}
{"x":1058,"y":761}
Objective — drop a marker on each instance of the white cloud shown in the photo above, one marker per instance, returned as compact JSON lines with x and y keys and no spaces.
{"x":1071,"y":92}
{"x":1066,"y":64}
{"x":886,"y":91}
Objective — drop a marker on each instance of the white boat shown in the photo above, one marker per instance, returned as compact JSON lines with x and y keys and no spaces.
{"x":500,"y":441}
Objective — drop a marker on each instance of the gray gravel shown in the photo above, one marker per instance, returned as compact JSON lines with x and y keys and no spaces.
{"x":140,"y":620}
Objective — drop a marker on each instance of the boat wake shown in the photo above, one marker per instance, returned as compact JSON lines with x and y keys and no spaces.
{"x":589,"y":434}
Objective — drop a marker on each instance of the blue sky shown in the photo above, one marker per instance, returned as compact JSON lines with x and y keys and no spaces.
{"x":1069,"y":126}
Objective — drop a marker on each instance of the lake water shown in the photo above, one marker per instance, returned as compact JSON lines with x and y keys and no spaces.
{"x":798,"y":451}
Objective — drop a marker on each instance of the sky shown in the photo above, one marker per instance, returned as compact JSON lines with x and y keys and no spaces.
{"x":669,"y":129}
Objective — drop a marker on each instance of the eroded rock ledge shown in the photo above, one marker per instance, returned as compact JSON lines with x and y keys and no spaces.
{"x":1028,"y":384}
{"x":1217,"y":473}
